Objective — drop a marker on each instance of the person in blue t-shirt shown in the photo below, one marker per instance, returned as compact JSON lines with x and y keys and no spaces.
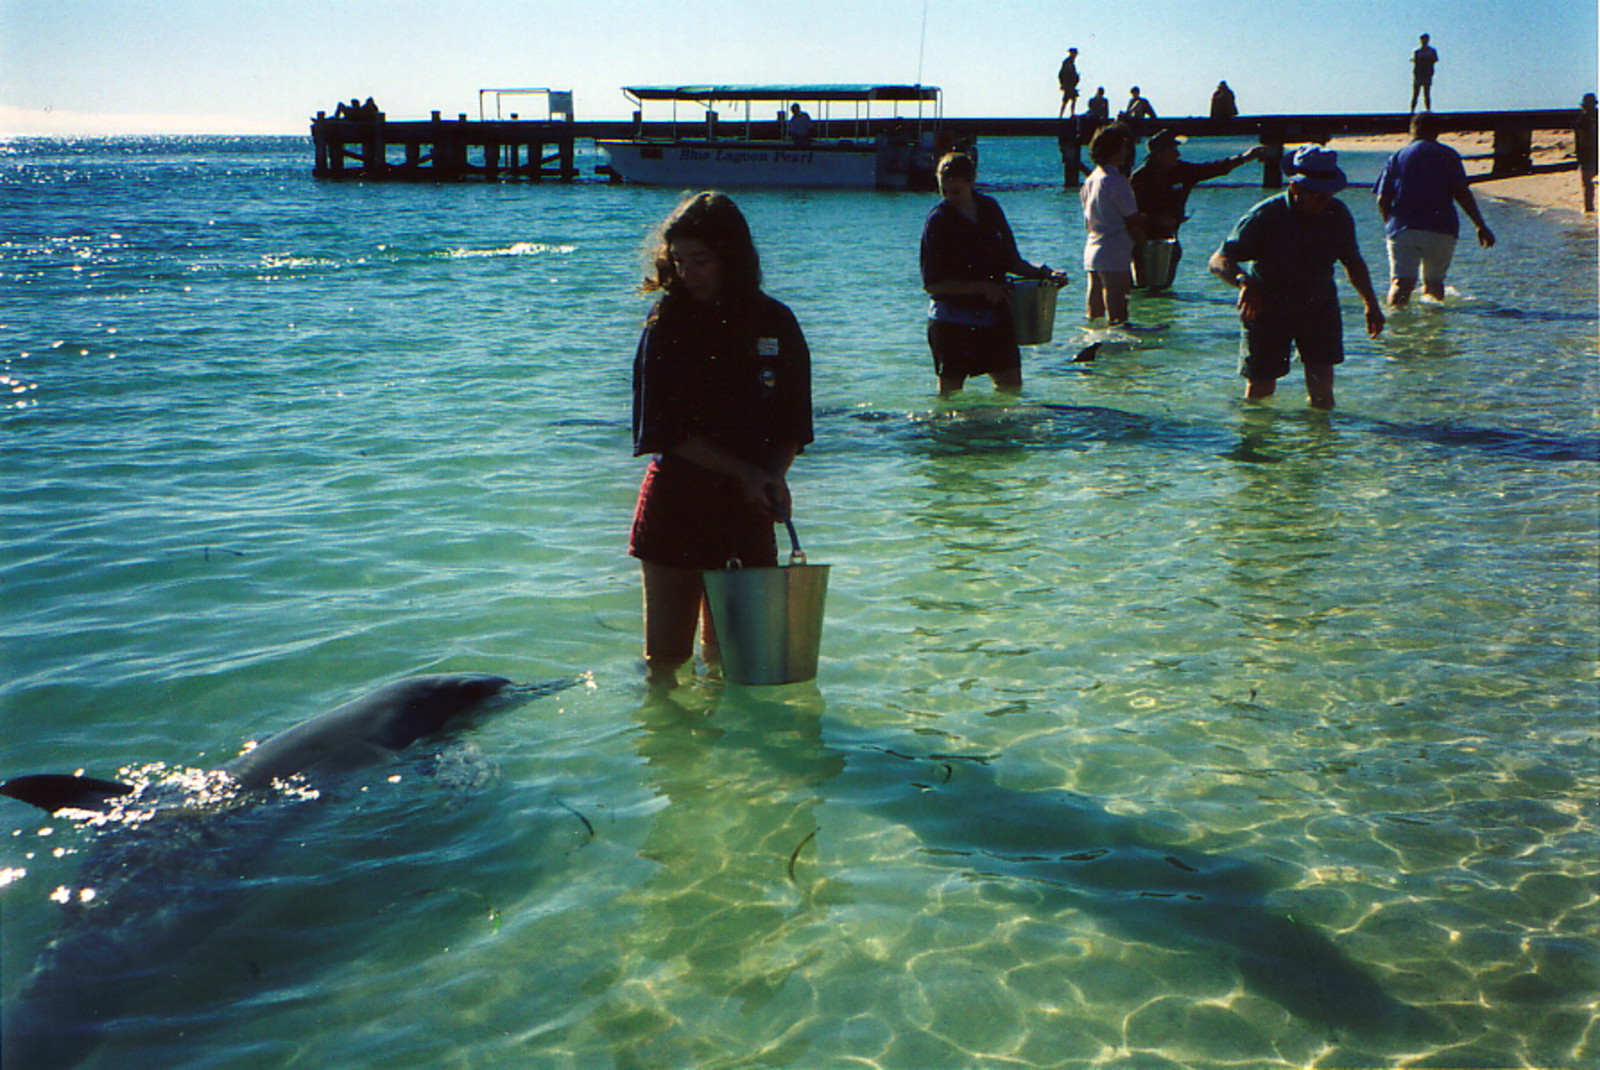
{"x":1418,"y":190}
{"x":1280,"y":256}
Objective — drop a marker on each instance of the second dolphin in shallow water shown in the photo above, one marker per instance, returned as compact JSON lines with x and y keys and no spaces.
{"x":1062,"y":851}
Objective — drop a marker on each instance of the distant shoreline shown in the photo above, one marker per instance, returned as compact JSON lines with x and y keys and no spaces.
{"x":1544,"y":193}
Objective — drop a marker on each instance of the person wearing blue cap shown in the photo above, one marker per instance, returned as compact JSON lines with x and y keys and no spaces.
{"x":1280,"y":257}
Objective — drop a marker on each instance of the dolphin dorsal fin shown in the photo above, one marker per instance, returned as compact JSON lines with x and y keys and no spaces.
{"x":57,"y":791}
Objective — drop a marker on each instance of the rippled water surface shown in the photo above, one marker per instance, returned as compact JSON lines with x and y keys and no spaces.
{"x":1152,"y":730}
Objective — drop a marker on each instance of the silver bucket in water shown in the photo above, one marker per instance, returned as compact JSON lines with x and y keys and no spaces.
{"x":769,"y":620}
{"x":1033,"y":310}
{"x":1158,"y":265}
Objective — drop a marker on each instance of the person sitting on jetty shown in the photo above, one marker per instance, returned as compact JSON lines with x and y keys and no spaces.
{"x":799,"y":125}
{"x":1417,"y":191}
{"x":1423,"y":60}
{"x":351,"y":110}
{"x":1097,"y":108}
{"x":1067,"y":79}
{"x":1138,"y":108}
{"x":1287,"y":296}
{"x":967,"y":252}
{"x":1162,"y":185}
{"x":1223,"y":105}
{"x":1112,"y":224}
{"x":1096,"y":113}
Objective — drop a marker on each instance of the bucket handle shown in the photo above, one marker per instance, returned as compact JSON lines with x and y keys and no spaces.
{"x":797,"y":556}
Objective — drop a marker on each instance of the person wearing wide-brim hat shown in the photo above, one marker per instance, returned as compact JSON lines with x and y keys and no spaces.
{"x":1280,"y":257}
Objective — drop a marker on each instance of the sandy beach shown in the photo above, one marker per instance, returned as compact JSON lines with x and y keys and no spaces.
{"x":1558,"y":192}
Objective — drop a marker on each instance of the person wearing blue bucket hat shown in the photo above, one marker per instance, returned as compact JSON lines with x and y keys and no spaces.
{"x":1280,"y":257}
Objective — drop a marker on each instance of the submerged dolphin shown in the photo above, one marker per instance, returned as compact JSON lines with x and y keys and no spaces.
{"x":1060,"y":851}
{"x":173,"y":850}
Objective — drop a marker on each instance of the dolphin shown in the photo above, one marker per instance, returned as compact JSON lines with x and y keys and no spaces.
{"x":356,"y":734}
{"x":1058,"y":851}
{"x":174,"y":849}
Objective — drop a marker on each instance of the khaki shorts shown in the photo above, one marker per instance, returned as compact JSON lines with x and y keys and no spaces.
{"x":1423,"y":254}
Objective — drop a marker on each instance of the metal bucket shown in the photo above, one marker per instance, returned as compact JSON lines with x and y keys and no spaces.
{"x":769,"y":620}
{"x":1158,"y":265}
{"x":1033,"y":310}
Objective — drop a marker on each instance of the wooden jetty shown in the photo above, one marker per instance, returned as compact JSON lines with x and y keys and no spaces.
{"x":439,"y":150}
{"x":444,"y":150}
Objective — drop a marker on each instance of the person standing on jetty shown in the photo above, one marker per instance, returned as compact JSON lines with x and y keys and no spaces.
{"x":967,"y":252}
{"x":1584,"y":144}
{"x":1067,"y":79}
{"x":1417,"y":192}
{"x":1162,"y":184}
{"x":1423,"y":61}
{"x":722,"y":398}
{"x":1112,"y":224}
{"x":1287,"y":296}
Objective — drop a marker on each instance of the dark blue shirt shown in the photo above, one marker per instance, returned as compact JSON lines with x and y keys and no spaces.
{"x":958,"y":249}
{"x":740,"y":378}
{"x":1291,"y":254}
{"x":1419,"y":183}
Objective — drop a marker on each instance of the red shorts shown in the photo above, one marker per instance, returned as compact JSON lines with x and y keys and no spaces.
{"x":692,"y":517}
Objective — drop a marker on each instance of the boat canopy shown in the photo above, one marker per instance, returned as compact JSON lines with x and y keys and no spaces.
{"x":706,"y":94}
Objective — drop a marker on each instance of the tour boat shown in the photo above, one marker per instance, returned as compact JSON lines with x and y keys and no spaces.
{"x":841,"y":144}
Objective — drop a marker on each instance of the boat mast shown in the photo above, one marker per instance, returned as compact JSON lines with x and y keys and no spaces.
{"x":922,"y":44}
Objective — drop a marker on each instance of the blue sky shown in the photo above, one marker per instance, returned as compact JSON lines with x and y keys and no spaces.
{"x":265,"y":66}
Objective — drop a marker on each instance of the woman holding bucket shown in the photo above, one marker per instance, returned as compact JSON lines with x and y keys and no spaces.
{"x":722,"y":398}
{"x":967,"y":252}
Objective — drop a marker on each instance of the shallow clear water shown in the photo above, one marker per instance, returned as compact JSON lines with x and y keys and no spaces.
{"x":1152,"y":730}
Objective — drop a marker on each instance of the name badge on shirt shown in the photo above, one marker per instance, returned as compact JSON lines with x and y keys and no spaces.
{"x":766,"y":347}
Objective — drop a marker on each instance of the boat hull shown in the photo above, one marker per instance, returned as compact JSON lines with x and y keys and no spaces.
{"x":817,"y":165}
